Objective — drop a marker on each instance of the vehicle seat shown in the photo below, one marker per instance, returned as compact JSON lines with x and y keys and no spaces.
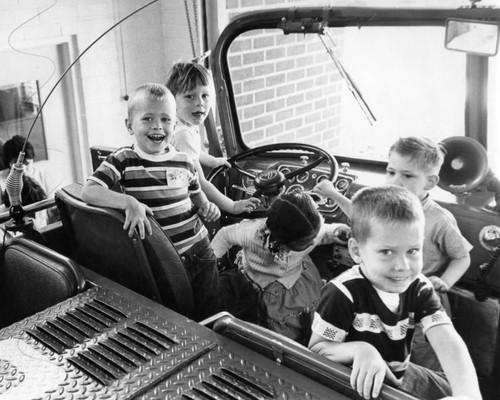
{"x":151,"y":267}
{"x":33,"y":278}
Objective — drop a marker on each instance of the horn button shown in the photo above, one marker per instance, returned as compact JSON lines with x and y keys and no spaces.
{"x":270,"y":181}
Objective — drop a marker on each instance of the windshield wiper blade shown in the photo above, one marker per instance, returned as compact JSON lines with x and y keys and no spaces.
{"x":350,"y":83}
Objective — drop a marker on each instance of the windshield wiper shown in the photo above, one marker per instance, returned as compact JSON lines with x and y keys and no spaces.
{"x":350,"y":83}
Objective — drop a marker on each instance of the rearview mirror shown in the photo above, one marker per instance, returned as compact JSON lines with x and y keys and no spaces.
{"x":472,"y":36}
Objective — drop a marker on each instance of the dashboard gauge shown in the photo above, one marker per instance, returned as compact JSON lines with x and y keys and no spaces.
{"x":303,"y":177}
{"x":286,"y":170}
{"x":295,"y":189}
{"x":330,"y":203}
{"x":321,"y":177}
{"x":342,"y":185}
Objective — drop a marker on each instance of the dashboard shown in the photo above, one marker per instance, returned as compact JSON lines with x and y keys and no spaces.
{"x":305,"y":182}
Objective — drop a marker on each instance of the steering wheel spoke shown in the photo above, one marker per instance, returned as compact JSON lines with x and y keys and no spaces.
{"x":308,"y":167}
{"x":242,"y":171}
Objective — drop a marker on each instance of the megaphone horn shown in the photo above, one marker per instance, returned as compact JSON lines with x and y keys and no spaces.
{"x":465,"y":164}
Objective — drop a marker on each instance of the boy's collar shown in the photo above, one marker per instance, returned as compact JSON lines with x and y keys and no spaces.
{"x":425,"y":198}
{"x":185,"y":125}
{"x":181,"y":121}
{"x":168,"y":154}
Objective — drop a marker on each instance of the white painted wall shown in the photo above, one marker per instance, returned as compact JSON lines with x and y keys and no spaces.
{"x":152,"y":41}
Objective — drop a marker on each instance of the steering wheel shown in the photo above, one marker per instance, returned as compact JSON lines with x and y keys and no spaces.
{"x":270,"y":181}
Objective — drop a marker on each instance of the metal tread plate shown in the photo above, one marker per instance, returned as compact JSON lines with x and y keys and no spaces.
{"x":101,"y":345}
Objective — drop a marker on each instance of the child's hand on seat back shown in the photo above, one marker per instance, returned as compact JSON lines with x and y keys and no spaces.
{"x":136,"y":216}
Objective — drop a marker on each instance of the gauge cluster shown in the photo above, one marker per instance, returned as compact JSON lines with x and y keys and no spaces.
{"x":305,"y":182}
{"x":309,"y":179}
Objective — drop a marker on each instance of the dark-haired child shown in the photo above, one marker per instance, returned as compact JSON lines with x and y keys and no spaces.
{"x":274,"y":264}
{"x":11,"y":150}
{"x":368,"y":314}
{"x":191,"y":84}
{"x":31,"y":192}
{"x":37,"y":185}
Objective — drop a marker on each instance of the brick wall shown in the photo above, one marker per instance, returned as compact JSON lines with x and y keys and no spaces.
{"x":287,"y":88}
{"x":152,"y":41}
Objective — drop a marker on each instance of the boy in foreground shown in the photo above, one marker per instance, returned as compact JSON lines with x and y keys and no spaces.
{"x":414,"y":163}
{"x":367,"y":315}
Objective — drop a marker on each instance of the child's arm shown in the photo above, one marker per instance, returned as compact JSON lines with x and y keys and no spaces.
{"x":183,"y":141}
{"x":455,"y":360}
{"x":210,"y":161}
{"x":225,"y":239}
{"x":136,"y":213}
{"x":368,"y":367}
{"x":222,"y":201}
{"x":326,"y":189}
{"x":206,"y":209}
{"x":456,"y":268}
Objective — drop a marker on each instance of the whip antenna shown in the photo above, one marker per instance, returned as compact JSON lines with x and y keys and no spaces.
{"x":14,"y":183}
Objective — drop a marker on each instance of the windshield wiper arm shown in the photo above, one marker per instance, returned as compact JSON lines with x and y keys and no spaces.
{"x":350,"y":83}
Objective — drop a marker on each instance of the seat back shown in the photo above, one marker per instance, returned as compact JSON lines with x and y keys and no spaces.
{"x":151,"y":267}
{"x":293,"y":355}
{"x":33,"y":278}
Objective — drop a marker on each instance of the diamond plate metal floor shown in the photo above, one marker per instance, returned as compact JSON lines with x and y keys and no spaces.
{"x":107,"y":345}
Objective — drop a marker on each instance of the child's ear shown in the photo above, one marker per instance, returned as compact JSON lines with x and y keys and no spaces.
{"x":353,"y":247}
{"x":432,"y":181}
{"x":128,"y":124}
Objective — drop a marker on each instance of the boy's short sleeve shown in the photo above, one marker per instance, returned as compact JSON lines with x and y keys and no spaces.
{"x":443,"y":241}
{"x":430,"y":310}
{"x":185,"y":141}
{"x":334,"y":314}
{"x":109,"y":173}
{"x":456,"y":245}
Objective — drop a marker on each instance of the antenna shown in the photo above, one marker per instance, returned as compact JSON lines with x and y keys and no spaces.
{"x":14,"y":183}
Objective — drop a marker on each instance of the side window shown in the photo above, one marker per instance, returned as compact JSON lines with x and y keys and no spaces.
{"x":494,"y":114}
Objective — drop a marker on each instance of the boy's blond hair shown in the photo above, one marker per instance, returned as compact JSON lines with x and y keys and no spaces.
{"x":389,"y":204}
{"x":154,"y":90}
{"x":428,"y":155}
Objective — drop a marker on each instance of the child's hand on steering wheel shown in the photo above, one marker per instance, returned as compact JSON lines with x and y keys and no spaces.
{"x":246,"y":205}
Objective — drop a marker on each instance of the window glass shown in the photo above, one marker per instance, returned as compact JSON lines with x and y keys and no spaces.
{"x":493,"y":114}
{"x":288,"y":88}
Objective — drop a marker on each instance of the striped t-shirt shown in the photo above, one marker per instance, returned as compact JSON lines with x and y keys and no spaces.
{"x":351,"y":310}
{"x":164,"y":182}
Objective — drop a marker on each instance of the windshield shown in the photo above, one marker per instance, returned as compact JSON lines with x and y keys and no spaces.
{"x":288,"y":89}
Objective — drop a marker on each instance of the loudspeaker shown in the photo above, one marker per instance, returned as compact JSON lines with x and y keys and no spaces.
{"x":465,"y":164}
